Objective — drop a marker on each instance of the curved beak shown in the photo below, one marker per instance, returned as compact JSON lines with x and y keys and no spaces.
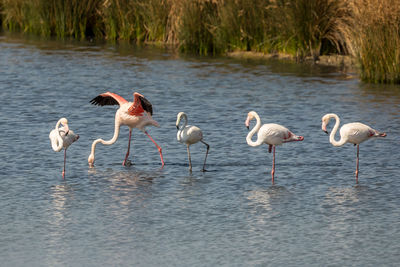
{"x":247,"y":122}
{"x":177,"y":127}
{"x":323,"y":127}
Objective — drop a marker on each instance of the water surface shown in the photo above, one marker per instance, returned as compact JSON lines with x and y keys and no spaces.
{"x":143,"y":215}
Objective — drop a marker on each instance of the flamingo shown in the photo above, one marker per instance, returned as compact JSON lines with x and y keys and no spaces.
{"x":354,"y":133}
{"x":271,"y":134}
{"x":62,"y":137}
{"x":189,"y":135}
{"x":134,"y":115}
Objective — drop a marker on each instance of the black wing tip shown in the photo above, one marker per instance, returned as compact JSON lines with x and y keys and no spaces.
{"x":146,"y":105}
{"x":103,"y":101}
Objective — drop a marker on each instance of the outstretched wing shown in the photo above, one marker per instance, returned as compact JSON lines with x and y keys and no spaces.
{"x":108,"y":99}
{"x":146,"y":105}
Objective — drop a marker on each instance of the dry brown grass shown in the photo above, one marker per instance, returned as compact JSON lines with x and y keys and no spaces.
{"x":366,"y":29}
{"x":374,"y":38}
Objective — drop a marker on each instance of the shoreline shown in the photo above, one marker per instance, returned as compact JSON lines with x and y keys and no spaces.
{"x":345,"y":63}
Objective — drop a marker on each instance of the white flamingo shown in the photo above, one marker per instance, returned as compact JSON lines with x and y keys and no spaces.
{"x":134,"y":115}
{"x":354,"y":133}
{"x":189,"y":135}
{"x":271,"y":134}
{"x":62,"y":137}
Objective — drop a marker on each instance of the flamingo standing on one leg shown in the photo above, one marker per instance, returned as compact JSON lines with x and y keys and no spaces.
{"x":354,"y":133}
{"x":62,"y":137}
{"x":134,"y":115}
{"x":271,"y":134}
{"x":189,"y":135}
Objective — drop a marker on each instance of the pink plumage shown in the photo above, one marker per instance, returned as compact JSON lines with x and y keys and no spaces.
{"x":136,"y":114}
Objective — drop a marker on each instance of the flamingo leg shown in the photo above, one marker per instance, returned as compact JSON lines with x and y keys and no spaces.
{"x":273,"y":164}
{"x":190,"y":160}
{"x":358,"y":152}
{"x":208,"y":148}
{"x":158,"y":147}
{"x":65,"y":159}
{"x":129,"y":146}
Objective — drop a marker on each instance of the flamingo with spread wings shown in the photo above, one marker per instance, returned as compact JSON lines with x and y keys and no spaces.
{"x":134,"y":115}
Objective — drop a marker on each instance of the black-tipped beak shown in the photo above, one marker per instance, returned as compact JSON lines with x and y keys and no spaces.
{"x":177,"y":127}
{"x":247,"y":127}
{"x":326,"y":132}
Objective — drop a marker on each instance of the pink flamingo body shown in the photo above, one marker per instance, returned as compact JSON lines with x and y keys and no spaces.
{"x":136,"y":114}
{"x":354,"y":133}
{"x":62,"y":137}
{"x":271,"y":134}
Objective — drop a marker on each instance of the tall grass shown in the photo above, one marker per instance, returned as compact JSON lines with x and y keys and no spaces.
{"x":366,"y":29}
{"x":302,"y":26}
{"x":244,"y":25}
{"x":197,"y":25}
{"x":374,"y":36}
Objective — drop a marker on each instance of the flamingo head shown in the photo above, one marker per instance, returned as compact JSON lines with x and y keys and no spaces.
{"x":250,"y":116}
{"x":91,"y":161}
{"x":325,"y":122}
{"x":179,"y":117}
{"x":64,"y":122}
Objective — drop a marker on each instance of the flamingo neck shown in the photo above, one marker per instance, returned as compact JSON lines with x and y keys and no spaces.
{"x":107,"y":143}
{"x":343,"y":139}
{"x":253,"y":131}
{"x":57,"y":144}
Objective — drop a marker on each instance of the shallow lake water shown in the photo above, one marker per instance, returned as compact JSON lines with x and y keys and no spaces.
{"x":231,"y":215}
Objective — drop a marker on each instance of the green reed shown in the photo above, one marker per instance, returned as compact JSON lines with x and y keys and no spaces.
{"x":244,"y":25}
{"x":197,"y":23}
{"x":366,"y":29}
{"x":375,"y":37}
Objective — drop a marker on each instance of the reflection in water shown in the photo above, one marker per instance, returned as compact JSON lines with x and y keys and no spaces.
{"x":60,"y":194}
{"x":388,"y":94}
{"x":126,"y":187}
{"x":340,"y":206}
{"x":58,"y":220}
{"x":266,"y":204}
{"x":337,"y":198}
{"x":191,"y":179}
{"x":130,"y":192}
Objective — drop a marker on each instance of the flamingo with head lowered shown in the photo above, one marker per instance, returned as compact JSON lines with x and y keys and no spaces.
{"x":189,"y":135}
{"x":354,"y":133}
{"x":134,"y":115}
{"x":271,"y":134}
{"x":62,"y":137}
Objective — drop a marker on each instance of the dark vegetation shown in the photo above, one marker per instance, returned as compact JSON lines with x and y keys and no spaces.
{"x":368,"y":30}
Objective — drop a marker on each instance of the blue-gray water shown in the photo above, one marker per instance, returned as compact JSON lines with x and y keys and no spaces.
{"x":314,"y":215}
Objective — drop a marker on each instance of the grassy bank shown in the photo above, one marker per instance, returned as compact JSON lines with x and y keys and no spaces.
{"x":368,"y":30}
